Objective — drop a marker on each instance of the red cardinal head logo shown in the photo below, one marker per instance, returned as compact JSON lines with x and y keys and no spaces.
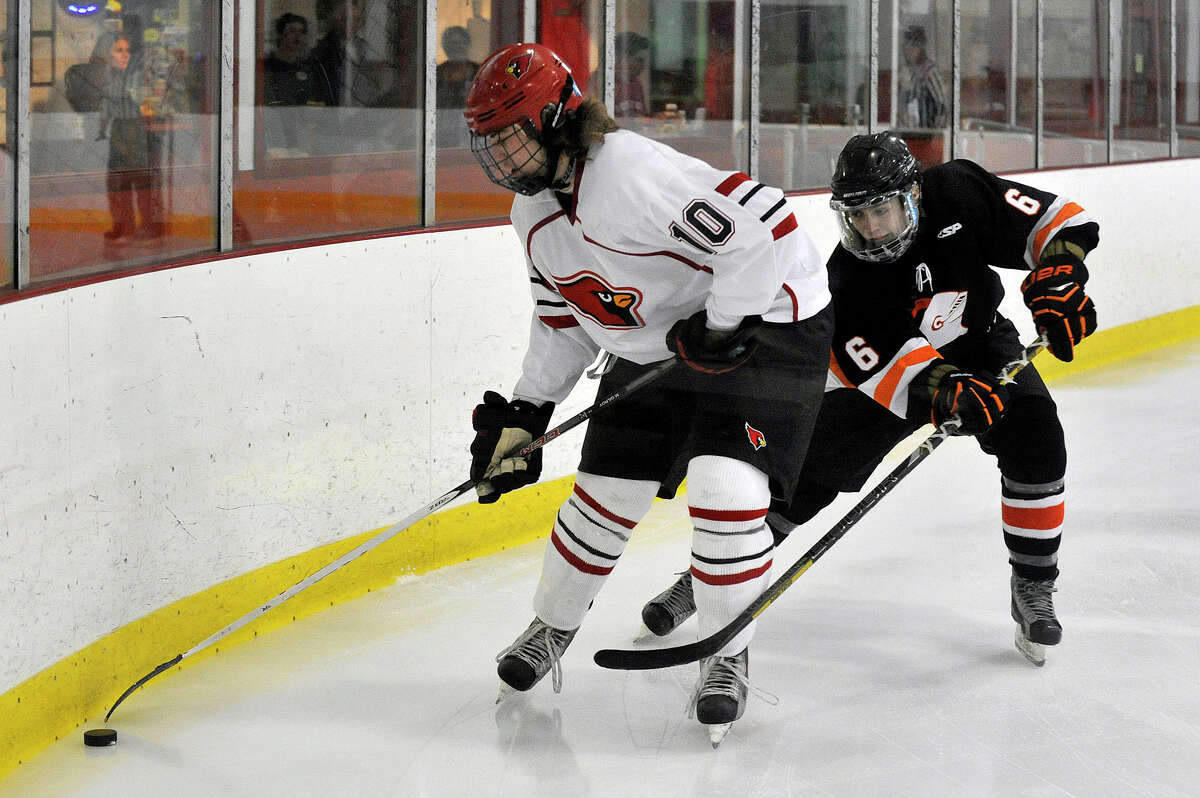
{"x":518,"y":66}
{"x":757,"y":439}
{"x":607,"y":306}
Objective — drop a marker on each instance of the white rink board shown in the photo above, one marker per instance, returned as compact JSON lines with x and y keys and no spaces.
{"x":167,"y":431}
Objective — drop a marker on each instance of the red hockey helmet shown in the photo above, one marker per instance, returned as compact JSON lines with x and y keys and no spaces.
{"x":520,"y":94}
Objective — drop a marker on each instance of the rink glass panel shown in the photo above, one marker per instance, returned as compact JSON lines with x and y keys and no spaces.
{"x":466,"y":34}
{"x":7,"y":101}
{"x":122,"y":136}
{"x":997,"y":84}
{"x":1187,"y":78}
{"x":329,"y":138}
{"x":682,"y":76}
{"x":1142,"y":90}
{"x":814,"y":79}
{"x":117,"y":184}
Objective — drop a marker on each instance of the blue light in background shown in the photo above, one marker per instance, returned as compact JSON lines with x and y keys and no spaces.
{"x":82,"y":9}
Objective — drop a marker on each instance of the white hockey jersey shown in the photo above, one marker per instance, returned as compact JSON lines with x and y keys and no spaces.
{"x":651,"y":237}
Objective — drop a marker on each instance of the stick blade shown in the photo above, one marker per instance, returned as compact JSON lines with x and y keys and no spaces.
{"x":645,"y":659}
{"x":129,"y":691}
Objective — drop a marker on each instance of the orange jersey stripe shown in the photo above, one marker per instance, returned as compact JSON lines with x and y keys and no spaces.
{"x":1039,"y":240}
{"x":1034,"y":517}
{"x":887,"y":386}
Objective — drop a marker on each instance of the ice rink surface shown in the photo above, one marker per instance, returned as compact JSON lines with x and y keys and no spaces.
{"x":892,"y":658}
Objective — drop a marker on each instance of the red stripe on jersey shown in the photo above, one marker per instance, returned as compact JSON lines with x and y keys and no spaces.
{"x":1034,"y":517}
{"x":786,"y":226}
{"x":730,"y":183}
{"x":598,"y":507}
{"x":698,"y":267}
{"x":575,"y":562}
{"x":837,"y":371}
{"x":730,"y":579}
{"x":1039,"y":240}
{"x":539,"y":226}
{"x":559,"y":322}
{"x":726,"y":515}
{"x":886,"y":390}
{"x":795,"y":302}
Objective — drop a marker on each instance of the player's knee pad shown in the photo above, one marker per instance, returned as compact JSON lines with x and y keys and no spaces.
{"x":1028,"y":442}
{"x":726,"y":496}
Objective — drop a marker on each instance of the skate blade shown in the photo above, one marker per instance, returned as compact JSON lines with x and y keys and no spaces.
{"x":1034,"y":652}
{"x":717,"y":732}
{"x":505,"y":693}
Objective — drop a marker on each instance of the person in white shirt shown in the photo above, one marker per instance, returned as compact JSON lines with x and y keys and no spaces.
{"x":647,"y":253}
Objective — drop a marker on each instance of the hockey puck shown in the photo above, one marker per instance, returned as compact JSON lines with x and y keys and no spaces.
{"x":98,"y":738}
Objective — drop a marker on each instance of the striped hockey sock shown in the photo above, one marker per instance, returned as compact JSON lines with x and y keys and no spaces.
{"x":731,"y":545}
{"x":589,"y":534}
{"x":1033,"y":520}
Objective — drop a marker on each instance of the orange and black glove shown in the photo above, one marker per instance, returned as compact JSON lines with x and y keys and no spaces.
{"x":977,"y":399}
{"x":1061,"y":309}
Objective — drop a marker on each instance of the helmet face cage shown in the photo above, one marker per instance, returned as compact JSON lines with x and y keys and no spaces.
{"x":514,"y":158}
{"x":517,"y":104}
{"x":896,"y":243}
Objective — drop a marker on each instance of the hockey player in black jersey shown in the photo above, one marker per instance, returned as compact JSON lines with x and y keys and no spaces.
{"x":918,"y":339}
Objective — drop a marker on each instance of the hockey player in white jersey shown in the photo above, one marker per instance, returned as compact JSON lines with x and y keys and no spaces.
{"x":647,"y":253}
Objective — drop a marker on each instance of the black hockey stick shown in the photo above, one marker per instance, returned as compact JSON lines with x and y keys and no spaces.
{"x":646,"y":659}
{"x":441,"y":501}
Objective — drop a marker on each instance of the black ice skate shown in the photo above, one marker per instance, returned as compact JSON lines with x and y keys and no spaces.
{"x":1033,"y":610}
{"x":531,"y":656}
{"x":720,"y":696}
{"x":663,"y":613}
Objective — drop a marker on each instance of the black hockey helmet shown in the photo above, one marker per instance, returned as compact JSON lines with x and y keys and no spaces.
{"x":873,"y":170}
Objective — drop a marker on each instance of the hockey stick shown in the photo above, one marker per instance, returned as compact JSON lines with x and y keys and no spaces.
{"x":646,"y":659}
{"x":441,"y":501}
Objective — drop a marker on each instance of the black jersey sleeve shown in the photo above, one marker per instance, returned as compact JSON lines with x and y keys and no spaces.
{"x":1019,"y":223}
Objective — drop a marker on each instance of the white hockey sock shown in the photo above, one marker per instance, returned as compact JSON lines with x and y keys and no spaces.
{"x":589,"y":534}
{"x":731,"y":545}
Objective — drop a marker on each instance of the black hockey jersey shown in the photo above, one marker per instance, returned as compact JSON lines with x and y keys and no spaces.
{"x":940,"y":298}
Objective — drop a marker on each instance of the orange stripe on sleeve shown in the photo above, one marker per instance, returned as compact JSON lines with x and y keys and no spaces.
{"x":887,"y":386}
{"x":1039,"y":240}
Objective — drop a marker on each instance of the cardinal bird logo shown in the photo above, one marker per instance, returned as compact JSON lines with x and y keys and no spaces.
{"x":518,"y":66}
{"x":757,"y":439}
{"x":611,"y":308}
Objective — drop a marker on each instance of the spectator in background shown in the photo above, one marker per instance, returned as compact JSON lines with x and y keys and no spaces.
{"x":923,"y":92}
{"x":629,"y":95}
{"x":132,"y":151}
{"x":289,"y":76}
{"x":454,"y":75}
{"x":342,"y":54}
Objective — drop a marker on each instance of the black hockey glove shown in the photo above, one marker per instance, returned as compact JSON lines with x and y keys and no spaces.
{"x":713,"y":351}
{"x":1061,"y":309}
{"x":502,"y":429}
{"x":977,"y":399}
